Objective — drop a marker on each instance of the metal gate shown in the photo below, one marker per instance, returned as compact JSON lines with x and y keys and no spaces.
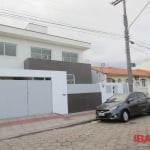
{"x":83,"y":102}
{"x":39,"y":97}
{"x":25,"y":97}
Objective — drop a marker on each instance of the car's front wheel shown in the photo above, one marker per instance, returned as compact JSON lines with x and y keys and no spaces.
{"x":97,"y":118}
{"x":149,"y":111}
{"x":125,"y":116}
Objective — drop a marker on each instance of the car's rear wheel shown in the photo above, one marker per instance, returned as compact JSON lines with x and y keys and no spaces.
{"x":125,"y":116}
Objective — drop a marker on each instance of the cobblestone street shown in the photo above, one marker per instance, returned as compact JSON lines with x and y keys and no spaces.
{"x":91,"y":136}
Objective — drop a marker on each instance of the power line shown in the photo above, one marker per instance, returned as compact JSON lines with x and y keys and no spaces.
{"x":27,"y":17}
{"x":136,"y":46}
{"x":145,"y":52}
{"x":143,"y":43}
{"x":139,"y":14}
{"x":15,"y":15}
{"x":139,"y":45}
{"x":142,"y":46}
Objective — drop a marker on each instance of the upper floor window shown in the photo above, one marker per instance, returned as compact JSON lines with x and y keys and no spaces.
{"x":70,"y":57}
{"x":141,"y":95}
{"x":40,"y":53}
{"x":7,"y":49}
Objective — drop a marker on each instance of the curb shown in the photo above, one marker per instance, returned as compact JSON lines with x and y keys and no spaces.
{"x":49,"y":129}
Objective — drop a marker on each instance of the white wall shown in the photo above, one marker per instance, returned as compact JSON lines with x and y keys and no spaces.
{"x":98,"y":77}
{"x":109,"y":89}
{"x":59,"y":85}
{"x":83,"y":88}
{"x":59,"y":93}
{"x":23,"y":52}
{"x":37,"y":28}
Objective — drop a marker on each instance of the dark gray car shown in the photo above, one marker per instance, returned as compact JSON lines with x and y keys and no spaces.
{"x":123,"y":106}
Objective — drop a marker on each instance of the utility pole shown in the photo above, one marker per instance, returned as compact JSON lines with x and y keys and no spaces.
{"x":127,"y":46}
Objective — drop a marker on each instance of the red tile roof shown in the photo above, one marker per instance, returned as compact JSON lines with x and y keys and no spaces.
{"x":118,"y":71}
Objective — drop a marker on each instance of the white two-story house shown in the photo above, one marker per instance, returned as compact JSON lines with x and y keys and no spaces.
{"x":27,"y":48}
{"x":35,"y":68}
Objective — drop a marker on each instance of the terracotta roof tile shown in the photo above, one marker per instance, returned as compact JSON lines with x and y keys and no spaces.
{"x":118,"y":71}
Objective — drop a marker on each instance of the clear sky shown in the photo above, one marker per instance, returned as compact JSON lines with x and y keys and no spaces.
{"x":108,"y":45}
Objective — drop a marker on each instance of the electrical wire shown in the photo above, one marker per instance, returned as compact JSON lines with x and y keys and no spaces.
{"x":139,"y":14}
{"x":140,"y":45}
{"x":26,"y":17}
{"x":141,"y":51}
{"x":141,"y":42}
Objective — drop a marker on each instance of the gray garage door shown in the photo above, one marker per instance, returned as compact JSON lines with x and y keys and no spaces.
{"x":39,"y":97}
{"x":24,"y":97}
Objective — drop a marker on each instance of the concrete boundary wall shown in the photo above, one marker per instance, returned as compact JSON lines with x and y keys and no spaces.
{"x":59,"y":85}
{"x":83,"y":97}
{"x":83,"y":88}
{"x":109,"y":89}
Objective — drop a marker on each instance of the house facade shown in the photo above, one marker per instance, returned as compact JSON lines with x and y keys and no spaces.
{"x":36,"y":69}
{"x":26,"y":48}
{"x":141,"y":78}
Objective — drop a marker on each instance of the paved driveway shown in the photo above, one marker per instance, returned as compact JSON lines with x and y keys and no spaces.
{"x":91,"y":136}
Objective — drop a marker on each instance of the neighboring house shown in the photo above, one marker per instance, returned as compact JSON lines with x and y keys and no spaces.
{"x":116,"y":75}
{"x":114,"y":80}
{"x":34,"y":48}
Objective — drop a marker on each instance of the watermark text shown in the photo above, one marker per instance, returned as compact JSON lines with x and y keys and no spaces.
{"x":140,"y":138}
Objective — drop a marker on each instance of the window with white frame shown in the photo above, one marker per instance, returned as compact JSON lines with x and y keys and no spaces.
{"x":8,"y":49}
{"x":143,"y":82}
{"x":40,"y":53}
{"x":70,"y":79}
{"x":119,"y":80}
{"x":70,"y":57}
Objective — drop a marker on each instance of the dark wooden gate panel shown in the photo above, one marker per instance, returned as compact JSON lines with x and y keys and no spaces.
{"x":83,"y":102}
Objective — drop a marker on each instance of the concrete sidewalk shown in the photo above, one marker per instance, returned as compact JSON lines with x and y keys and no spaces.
{"x":14,"y":128}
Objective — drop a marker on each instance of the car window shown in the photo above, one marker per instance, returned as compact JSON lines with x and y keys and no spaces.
{"x":141,"y":95}
{"x":117,"y":98}
{"x":133,"y":96}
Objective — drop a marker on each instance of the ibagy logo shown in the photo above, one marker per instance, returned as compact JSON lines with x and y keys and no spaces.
{"x":140,"y":138}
